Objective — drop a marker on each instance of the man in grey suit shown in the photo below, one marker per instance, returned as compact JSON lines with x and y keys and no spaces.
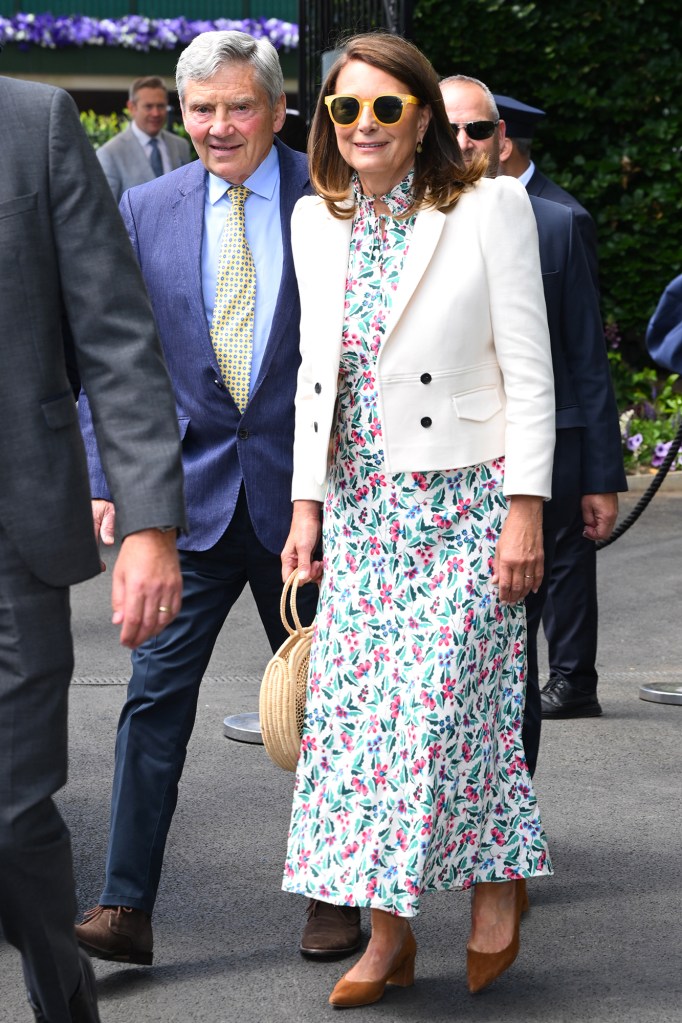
{"x":143,"y":151}
{"x":66,"y":264}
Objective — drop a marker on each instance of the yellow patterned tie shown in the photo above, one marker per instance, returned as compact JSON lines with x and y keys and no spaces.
{"x":235,"y":300}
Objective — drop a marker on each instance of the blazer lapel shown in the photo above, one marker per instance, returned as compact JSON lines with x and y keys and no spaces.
{"x":187,"y":208}
{"x":428,"y":227}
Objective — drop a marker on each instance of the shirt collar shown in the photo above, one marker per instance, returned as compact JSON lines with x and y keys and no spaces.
{"x":527,"y":174}
{"x":142,"y":136}
{"x":263,"y":181}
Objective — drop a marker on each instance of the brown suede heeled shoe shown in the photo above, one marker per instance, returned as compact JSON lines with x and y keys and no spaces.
{"x":484,"y":967}
{"x":349,"y":994}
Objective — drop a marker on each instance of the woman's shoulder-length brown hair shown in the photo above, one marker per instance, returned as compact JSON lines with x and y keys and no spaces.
{"x":440,"y":174}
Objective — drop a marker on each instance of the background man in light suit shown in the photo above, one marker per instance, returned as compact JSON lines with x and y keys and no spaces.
{"x":144,"y":150}
{"x":588,"y":465}
{"x":238,"y":464}
{"x":65,"y":259}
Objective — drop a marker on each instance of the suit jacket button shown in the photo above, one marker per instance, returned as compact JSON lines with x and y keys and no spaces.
{"x":315,"y":427}
{"x":218,"y":383}
{"x":318,"y":388}
{"x":426,"y":422}
{"x":425,"y":378}
{"x":243,"y":433}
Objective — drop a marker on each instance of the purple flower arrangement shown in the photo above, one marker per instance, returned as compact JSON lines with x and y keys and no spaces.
{"x":133,"y":32}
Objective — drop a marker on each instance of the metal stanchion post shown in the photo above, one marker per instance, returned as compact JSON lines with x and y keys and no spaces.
{"x":243,"y":728}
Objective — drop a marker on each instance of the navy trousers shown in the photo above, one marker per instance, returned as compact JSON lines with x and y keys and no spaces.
{"x":158,"y":716}
{"x":574,"y":604}
{"x":37,"y":893}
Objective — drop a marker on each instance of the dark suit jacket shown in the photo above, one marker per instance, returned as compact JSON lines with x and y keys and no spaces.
{"x":582,"y":379}
{"x":126,"y":164}
{"x":64,"y":255}
{"x":544,"y":187}
{"x":664,"y":333}
{"x":220,"y":447}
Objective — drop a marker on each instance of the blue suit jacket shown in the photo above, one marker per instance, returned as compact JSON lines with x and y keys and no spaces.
{"x":664,"y":333}
{"x":220,"y":447}
{"x":582,"y":379}
{"x":545,"y":188}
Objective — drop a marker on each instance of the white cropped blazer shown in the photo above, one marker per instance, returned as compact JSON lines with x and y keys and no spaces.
{"x":464,"y":373}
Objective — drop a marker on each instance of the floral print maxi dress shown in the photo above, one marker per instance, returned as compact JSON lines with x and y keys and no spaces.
{"x":412,"y":776}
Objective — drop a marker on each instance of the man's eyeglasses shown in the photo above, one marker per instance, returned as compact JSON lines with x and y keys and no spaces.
{"x":476,"y":130}
{"x":347,"y":110}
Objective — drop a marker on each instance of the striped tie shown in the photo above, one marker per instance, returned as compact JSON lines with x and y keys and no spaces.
{"x":235,"y":300}
{"x":155,"y":158}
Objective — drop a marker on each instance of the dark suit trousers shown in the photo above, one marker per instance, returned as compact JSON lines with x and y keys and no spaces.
{"x":562,"y":518}
{"x":570,"y":617}
{"x":158,"y":716}
{"x":37,"y":894}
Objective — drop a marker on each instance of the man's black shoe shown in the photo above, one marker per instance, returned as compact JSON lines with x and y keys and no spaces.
{"x":562,"y":700}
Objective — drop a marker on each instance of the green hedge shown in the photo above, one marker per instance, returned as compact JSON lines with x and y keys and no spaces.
{"x":609,"y":75}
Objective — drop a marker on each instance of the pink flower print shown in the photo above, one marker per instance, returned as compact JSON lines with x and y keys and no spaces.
{"x":519,"y":649}
{"x":395,"y":706}
{"x":314,"y":683}
{"x":365,"y":836}
{"x":375,"y":428}
{"x":490,"y":534}
{"x":498,"y":836}
{"x":469,"y":587}
{"x":375,"y":858}
{"x":338,"y":660}
{"x":324,"y":891}
{"x":368,"y":378}
{"x":427,"y":824}
{"x":436,"y":580}
{"x":359,"y":787}
{"x":435,"y":750}
{"x":367,"y":606}
{"x":418,"y":766}
{"x":341,"y":712}
{"x":361,"y":492}
{"x":412,"y":888}
{"x":468,"y":620}
{"x":421,"y":481}
{"x":374,"y":545}
{"x":381,"y":774}
{"x":468,"y":838}
{"x":347,"y":741}
{"x":427,"y":700}
{"x":448,"y":689}
{"x":376,"y":480}
{"x":381,"y":654}
{"x":363,"y":669}
{"x":351,"y":562}
{"x":308,"y":743}
{"x":412,"y":623}
{"x":445,"y":635}
{"x":466,"y":752}
{"x":412,"y":572}
{"x":471,"y":794}
{"x":401,"y":806}
{"x":401,"y":838}
{"x":441,"y":522}
{"x":371,"y":888}
{"x":352,"y":640}
{"x":455,"y":565}
{"x":396,"y":531}
{"x":350,"y":850}
{"x":373,"y":724}
{"x":376,"y":343}
{"x":358,"y":438}
{"x":385,"y":593}
{"x":303,"y":859}
{"x":440,"y":803}
{"x":463,"y":507}
{"x":417,"y":653}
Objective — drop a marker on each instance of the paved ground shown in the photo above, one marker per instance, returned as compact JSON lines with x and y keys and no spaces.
{"x":603,"y":941}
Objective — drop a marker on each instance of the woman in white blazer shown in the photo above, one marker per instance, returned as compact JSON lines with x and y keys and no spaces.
{"x":426,"y":360}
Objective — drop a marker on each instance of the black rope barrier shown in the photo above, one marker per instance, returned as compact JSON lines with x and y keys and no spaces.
{"x":649,"y":493}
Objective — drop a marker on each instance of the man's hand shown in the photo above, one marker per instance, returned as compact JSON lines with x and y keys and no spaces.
{"x":146,"y":589}
{"x":104,"y":521}
{"x":599,"y":515}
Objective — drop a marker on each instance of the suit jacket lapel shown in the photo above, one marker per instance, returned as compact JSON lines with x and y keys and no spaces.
{"x":428,"y":227}
{"x":187,"y":208}
{"x":293,"y":183}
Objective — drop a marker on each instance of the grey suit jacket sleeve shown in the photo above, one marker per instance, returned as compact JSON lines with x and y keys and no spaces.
{"x":119,"y":355}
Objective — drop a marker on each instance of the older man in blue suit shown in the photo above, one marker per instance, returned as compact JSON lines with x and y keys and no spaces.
{"x":213,"y":242}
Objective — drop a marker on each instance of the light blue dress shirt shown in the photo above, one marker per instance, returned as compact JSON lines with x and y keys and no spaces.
{"x":264,"y":236}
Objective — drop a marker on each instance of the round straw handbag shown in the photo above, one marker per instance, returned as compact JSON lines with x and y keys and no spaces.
{"x":283,"y":689}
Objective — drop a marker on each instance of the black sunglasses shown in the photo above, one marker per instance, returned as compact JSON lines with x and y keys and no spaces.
{"x":347,"y":110}
{"x":476,"y":130}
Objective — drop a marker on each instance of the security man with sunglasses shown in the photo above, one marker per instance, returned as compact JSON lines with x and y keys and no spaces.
{"x":588,"y":464}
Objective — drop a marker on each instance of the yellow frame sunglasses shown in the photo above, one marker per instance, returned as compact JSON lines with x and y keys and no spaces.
{"x":345,"y":109}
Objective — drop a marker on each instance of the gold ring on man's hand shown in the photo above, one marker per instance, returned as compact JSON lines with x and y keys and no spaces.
{"x":164,"y":609}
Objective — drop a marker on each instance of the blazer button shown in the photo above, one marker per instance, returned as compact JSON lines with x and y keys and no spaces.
{"x":425,"y":378}
{"x":243,"y":433}
{"x":426,"y":422}
{"x":315,"y":427}
{"x":219,"y":384}
{"x":318,"y":388}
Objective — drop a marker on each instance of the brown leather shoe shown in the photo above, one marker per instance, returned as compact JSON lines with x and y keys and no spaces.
{"x":117,"y":933}
{"x":331,"y":931}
